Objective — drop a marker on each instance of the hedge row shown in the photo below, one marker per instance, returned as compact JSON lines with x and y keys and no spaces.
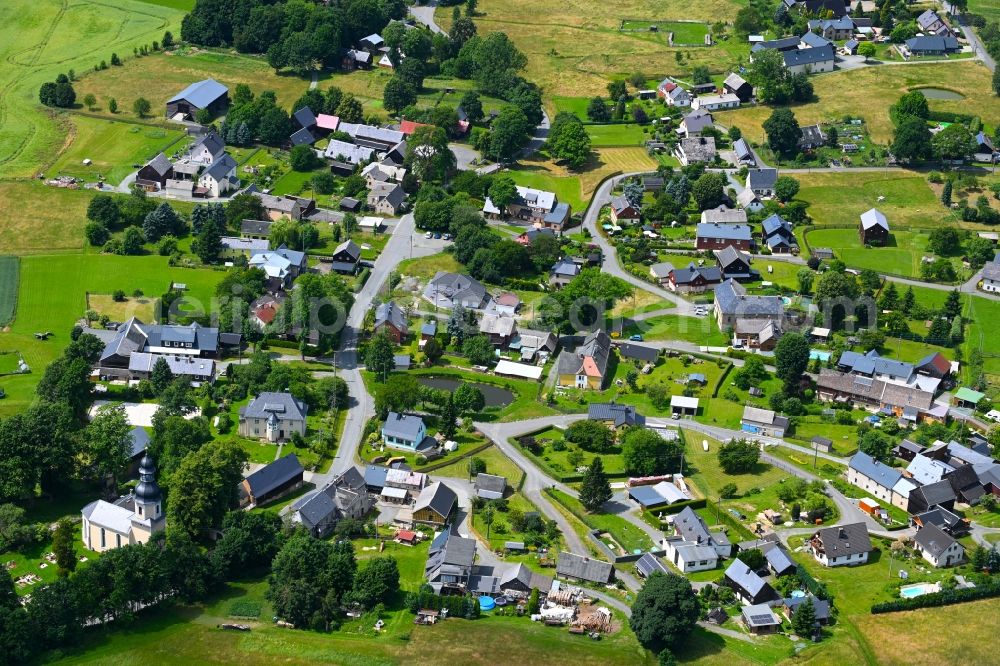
{"x":363,"y":276}
{"x":944,"y":598}
{"x":652,"y":512}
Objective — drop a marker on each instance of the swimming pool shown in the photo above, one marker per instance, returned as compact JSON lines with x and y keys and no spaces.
{"x":918,"y":589}
{"x":823,"y":356}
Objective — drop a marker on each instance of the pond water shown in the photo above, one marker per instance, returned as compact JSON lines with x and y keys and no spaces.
{"x":940,"y":93}
{"x":494,"y":396}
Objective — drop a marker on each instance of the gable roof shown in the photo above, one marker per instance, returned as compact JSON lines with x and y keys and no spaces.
{"x":762,"y":179}
{"x":437,"y":497}
{"x":878,"y":472}
{"x":729,"y":255}
{"x":160,"y":164}
{"x":737,"y":232}
{"x":638,"y":352}
{"x":933,"y":540}
{"x":938,"y":492}
{"x":932,"y":43}
{"x":739,"y":573}
{"x":390,"y":313}
{"x":403,"y":426}
{"x":610,"y":411}
{"x":271,"y":476}
{"x":649,"y":564}
{"x":732,"y":299}
{"x":775,"y":224}
{"x":812,"y":40}
{"x":874,"y":218}
{"x":490,"y":486}
{"x":805,"y":57}
{"x":305,"y":117}
{"x":845,"y":540}
{"x":734,"y":81}
{"x":201,"y":93}
{"x":283,"y":405}
{"x":584,"y":568}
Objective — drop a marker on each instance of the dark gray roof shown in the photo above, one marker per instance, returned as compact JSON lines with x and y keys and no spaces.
{"x":938,"y":492}
{"x":283,"y":405}
{"x":256,"y":227}
{"x":733,"y":300}
{"x":638,"y":352}
{"x":281,"y":471}
{"x":439,"y":498}
{"x":305,"y":117}
{"x":812,"y":40}
{"x":690,"y":526}
{"x":821,"y":606}
{"x":160,"y":164}
{"x":212,"y":142}
{"x":390,"y":313}
{"x":734,"y":81}
{"x":742,"y":148}
{"x":691,"y":273}
{"x":609,"y":411}
{"x":933,"y":539}
{"x":932,"y":44}
{"x":845,"y":540}
{"x":221,"y":167}
{"x":135,"y":336}
{"x":729,"y":255}
{"x":314,"y":508}
{"x":455,"y":287}
{"x":878,"y":472}
{"x":871,"y":363}
{"x":584,"y":568}
{"x":649,"y":563}
{"x":375,"y":476}
{"x":140,"y":440}
{"x":799,"y":57}
{"x":490,"y":486}
{"x":201,"y":94}
{"x":697,"y":120}
{"x":302,"y":137}
{"x":775,"y":224}
{"x":784,"y":43}
{"x":762,"y":179}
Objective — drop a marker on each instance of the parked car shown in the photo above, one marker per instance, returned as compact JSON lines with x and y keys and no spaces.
{"x":429,"y":234}
{"x":437,"y":236}
{"x":635,"y":338}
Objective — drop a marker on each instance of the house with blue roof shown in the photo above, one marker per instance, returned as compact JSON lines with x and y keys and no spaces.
{"x":208,"y":94}
{"x":405,"y":431}
{"x":778,"y":235}
{"x":874,"y":477}
{"x":273,"y":417}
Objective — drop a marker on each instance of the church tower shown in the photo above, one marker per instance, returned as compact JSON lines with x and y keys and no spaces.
{"x":148,"y":496}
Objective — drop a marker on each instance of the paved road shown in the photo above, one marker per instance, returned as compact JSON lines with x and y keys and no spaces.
{"x":424,"y":14}
{"x":972,"y":37}
{"x":611,"y":266}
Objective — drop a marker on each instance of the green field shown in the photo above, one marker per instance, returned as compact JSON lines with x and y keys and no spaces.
{"x":52,"y":295}
{"x":566,"y":189}
{"x":701,"y":330}
{"x":616,"y":135}
{"x":45,"y":37}
{"x":686,"y":32}
{"x":8,"y":289}
{"x":114,"y":148}
{"x":901,"y":257}
{"x":840,"y":198}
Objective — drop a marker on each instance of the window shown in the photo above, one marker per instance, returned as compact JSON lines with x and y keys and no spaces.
{"x":118,"y":540}
{"x":103,"y":541}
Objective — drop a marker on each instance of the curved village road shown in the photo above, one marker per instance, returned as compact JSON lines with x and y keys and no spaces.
{"x":424,"y":14}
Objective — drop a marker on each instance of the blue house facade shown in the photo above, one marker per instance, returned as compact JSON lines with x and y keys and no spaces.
{"x":403,"y":431}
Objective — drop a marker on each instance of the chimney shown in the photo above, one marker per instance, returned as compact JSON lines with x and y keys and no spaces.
{"x":841,"y":533}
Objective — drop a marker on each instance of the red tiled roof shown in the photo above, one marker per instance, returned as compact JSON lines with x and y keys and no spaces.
{"x":409,"y":126}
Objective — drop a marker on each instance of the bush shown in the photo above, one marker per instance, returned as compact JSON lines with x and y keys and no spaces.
{"x":985,"y":590}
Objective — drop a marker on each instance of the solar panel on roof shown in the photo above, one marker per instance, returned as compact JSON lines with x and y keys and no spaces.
{"x":760,"y":619}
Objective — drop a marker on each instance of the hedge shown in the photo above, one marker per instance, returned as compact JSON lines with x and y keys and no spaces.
{"x":651,"y":513}
{"x":363,"y":276}
{"x":986,"y":590}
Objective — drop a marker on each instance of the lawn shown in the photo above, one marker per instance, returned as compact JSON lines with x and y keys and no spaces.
{"x":902,"y":256}
{"x":627,"y":535}
{"x":496,"y":463}
{"x":547,"y":177}
{"x":142,"y":307}
{"x":52,"y":295}
{"x":840,"y":198}
{"x":35,"y":218}
{"x":870,"y":92}
{"x":700,"y":330}
{"x":556,"y":462}
{"x":9,"y":269}
{"x":45,"y":37}
{"x":984,"y":315}
{"x":686,"y":32}
{"x":114,"y":148}
{"x":162,"y":75}
{"x":616,"y":135}
{"x":559,"y":39}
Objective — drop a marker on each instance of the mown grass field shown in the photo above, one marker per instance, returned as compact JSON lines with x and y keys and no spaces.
{"x":36,"y":218}
{"x":45,"y":37}
{"x":8,"y":288}
{"x":160,"y":76}
{"x":52,"y":295}
{"x":840,"y":198}
{"x":901,"y":257}
{"x":114,"y":148}
{"x":559,"y":39}
{"x":869,"y":93}
{"x":616,"y":135}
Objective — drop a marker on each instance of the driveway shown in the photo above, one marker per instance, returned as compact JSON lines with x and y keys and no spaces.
{"x":424,"y":14}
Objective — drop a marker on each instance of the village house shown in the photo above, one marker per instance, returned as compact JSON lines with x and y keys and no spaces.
{"x":811,"y":137}
{"x":446,"y":290}
{"x":285,"y":207}
{"x":390,"y":320}
{"x":272,"y":481}
{"x":273,"y":417}
{"x":623,"y":212}
{"x":405,"y":431}
{"x":761,"y":182}
{"x":836,"y":30}
{"x":723,"y":215}
{"x":518,"y":581}
{"x":581,"y":568}
{"x":749,"y":587}
{"x":810,"y":60}
{"x":690,"y":556}
{"x":937,"y":547}
{"x":694,"y":123}
{"x":763,"y":422}
{"x":130,"y":519}
{"x":386,"y":198}
{"x":208,"y":94}
{"x":846,"y":545}
{"x":280,"y":266}
{"x":450,"y":562}
{"x":690,"y":527}
{"x":220,"y":178}
{"x":733,"y":263}
{"x":378,"y":138}
{"x":342,"y":151}
{"x":490,"y":486}
{"x":732,"y":304}
{"x":874,"y":228}
{"x":759,"y":619}
{"x":715,"y":236}
{"x":538,"y":207}
{"x":673,"y":94}
{"x":872,"y":476}
{"x":735,"y":84}
{"x":264,"y":310}
{"x":147,"y":343}
{"x":233,"y":247}
{"x":535,"y":346}
{"x":344,"y":498}
{"x":615,"y":416}
{"x":256,"y":229}
{"x":930,"y":45}
{"x":154,"y":174}
{"x":821,"y":607}
{"x":778,"y":235}
{"x":928,"y":496}
{"x":811,"y":40}
{"x":692,"y":279}
{"x":345,"y":258}
{"x":930,"y":23}
{"x":563,"y":272}
{"x":586,"y":366}
{"x":696,"y":149}
{"x":756,"y":334}
{"x":500,"y":329}
{"x":435,"y":505}
{"x":908,"y":401}
{"x":744,"y":155}
{"x":715,"y":102}
{"x":790,"y":43}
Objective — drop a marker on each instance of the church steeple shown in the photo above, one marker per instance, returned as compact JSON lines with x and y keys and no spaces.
{"x":148,"y":495}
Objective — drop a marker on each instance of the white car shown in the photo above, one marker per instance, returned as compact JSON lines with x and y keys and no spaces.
{"x":429,"y":234}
